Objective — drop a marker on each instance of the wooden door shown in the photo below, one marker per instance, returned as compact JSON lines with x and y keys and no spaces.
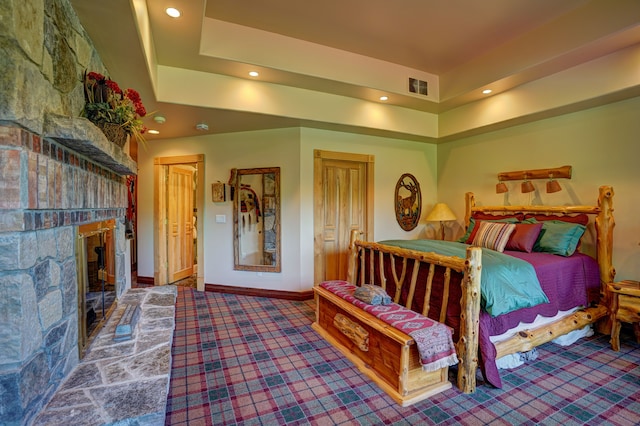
{"x":180,"y":222}
{"x":343,"y":199}
{"x":160,"y":214}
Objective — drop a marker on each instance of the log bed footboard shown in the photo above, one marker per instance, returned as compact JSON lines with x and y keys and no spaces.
{"x":367,"y":265}
{"x":370,"y":264}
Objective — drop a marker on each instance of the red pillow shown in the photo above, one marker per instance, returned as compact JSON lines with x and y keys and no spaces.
{"x":474,"y":231}
{"x":582,"y":219}
{"x":489,"y":216}
{"x":524,"y":237}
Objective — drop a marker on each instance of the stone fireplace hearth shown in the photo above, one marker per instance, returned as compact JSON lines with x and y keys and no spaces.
{"x":121,"y":382}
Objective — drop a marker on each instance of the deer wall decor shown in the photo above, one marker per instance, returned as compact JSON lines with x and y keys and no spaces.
{"x":408,"y":207}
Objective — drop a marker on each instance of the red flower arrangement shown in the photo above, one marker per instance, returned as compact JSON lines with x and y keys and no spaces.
{"x":106,"y":104}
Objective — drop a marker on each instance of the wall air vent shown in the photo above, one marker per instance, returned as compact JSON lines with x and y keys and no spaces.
{"x":418,"y":86}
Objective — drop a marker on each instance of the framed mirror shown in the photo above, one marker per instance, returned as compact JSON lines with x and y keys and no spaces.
{"x":256,"y":220}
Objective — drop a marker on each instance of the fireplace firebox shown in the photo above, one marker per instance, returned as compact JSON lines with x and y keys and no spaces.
{"x":97,"y":297}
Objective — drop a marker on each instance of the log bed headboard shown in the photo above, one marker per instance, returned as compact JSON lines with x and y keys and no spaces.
{"x":604,"y":223}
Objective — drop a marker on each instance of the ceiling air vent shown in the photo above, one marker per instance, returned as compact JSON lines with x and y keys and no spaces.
{"x":418,"y":86}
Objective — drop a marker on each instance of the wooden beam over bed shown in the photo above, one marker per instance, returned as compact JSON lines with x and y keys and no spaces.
{"x":563,"y":172}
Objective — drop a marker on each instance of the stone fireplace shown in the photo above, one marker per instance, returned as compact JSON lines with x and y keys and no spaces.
{"x":59,"y":173}
{"x":57,"y":195}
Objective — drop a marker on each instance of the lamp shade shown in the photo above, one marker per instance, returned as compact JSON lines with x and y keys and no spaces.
{"x":553,"y":186}
{"x":440,"y":213}
{"x":501,"y":188}
{"x":527,"y":186}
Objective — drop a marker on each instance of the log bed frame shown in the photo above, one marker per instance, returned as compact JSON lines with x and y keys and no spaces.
{"x":368,"y":257}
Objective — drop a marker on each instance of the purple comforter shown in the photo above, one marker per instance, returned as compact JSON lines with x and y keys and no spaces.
{"x":568,"y":282}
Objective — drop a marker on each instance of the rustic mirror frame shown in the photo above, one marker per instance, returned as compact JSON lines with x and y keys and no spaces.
{"x":256,"y":213}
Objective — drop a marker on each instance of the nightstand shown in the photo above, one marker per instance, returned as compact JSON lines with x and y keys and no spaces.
{"x":625,"y":306}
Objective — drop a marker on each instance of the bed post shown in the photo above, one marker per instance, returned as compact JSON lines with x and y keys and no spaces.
{"x":353,"y":257}
{"x":469,"y":203}
{"x":604,"y":248}
{"x":467,"y":346}
{"x":604,"y":233}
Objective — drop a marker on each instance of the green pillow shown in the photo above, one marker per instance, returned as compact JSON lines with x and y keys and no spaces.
{"x":559,"y":237}
{"x":472,"y":223}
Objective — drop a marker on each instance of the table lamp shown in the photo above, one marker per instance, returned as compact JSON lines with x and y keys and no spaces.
{"x":441,"y":213}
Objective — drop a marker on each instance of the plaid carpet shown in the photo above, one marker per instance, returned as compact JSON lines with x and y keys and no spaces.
{"x":240,"y":360}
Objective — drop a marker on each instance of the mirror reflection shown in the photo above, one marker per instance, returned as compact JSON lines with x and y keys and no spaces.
{"x":256,"y":213}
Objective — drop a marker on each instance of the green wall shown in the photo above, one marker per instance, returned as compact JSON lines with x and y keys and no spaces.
{"x":601,"y":144}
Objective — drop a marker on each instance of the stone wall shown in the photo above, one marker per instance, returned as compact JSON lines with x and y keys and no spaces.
{"x":58,"y":171}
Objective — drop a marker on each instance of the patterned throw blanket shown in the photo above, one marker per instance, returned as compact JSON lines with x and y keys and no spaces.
{"x":434,"y":341}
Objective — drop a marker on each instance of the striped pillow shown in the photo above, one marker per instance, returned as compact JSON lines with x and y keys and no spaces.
{"x":493,"y":235}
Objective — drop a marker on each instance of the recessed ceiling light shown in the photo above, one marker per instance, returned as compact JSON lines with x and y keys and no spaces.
{"x":384,"y":98}
{"x":173,"y":12}
{"x":254,"y":73}
{"x":487,"y":91}
{"x":154,"y":132}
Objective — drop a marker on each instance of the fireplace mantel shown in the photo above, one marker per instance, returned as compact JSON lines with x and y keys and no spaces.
{"x":83,"y":137}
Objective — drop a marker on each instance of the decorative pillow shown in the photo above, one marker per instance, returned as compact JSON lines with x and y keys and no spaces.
{"x":559,"y":237}
{"x":467,"y":238}
{"x":497,"y":217}
{"x":524,"y":237}
{"x":372,"y":294}
{"x":493,"y":235}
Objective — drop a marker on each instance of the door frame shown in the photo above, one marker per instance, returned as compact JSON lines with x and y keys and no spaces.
{"x":160,"y":234}
{"x":319,"y":156}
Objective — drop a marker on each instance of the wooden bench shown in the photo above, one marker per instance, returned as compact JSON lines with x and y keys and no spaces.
{"x":386,"y":355}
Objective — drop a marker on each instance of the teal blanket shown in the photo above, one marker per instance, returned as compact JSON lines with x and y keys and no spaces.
{"x":507,"y":284}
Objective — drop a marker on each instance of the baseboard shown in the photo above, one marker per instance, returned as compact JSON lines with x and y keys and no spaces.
{"x":246,"y":291}
{"x":145,"y":280}
{"x":258,"y":292}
